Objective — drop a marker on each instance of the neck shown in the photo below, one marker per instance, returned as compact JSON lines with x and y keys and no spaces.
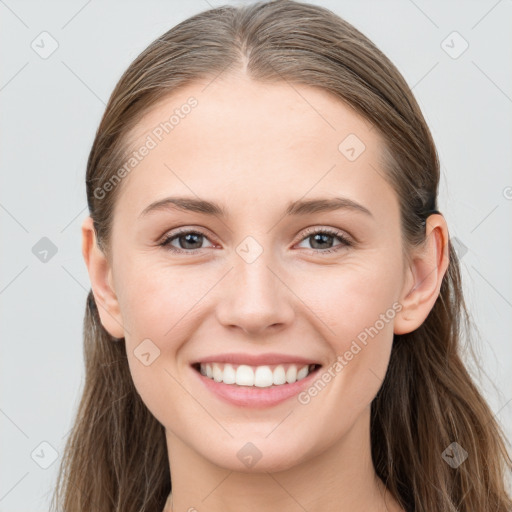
{"x":340,"y":478}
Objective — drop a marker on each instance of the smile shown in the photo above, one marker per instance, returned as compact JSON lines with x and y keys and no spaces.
{"x":256,"y":387}
{"x":255,"y":376}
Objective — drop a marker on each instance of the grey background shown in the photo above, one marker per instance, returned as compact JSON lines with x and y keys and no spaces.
{"x":50,"y":109}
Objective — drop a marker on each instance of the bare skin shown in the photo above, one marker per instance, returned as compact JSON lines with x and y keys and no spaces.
{"x":254,"y":148}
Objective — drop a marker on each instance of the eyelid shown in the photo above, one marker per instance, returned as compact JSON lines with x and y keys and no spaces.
{"x":309,"y":231}
{"x":165,"y":240}
{"x":174,"y":232}
{"x":304,"y":232}
{"x":346,"y":240}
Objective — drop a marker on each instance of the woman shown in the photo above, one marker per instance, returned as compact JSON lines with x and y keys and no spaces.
{"x":276,"y":307}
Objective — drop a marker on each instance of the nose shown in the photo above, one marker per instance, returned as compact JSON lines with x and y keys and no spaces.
{"x":254,"y":298}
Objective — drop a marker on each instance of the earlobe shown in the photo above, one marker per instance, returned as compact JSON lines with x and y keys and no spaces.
{"x":424,"y":277}
{"x":100,"y":275}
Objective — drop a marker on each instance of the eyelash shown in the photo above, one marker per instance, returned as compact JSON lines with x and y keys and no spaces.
{"x":345,"y":242}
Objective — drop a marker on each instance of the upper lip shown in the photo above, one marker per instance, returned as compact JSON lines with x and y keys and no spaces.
{"x":256,"y":360}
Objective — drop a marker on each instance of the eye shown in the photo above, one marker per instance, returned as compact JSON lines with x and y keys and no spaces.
{"x":188,"y":240}
{"x":321,"y":238}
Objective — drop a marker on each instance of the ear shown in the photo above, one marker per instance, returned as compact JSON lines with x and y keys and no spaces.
{"x":424,"y":276}
{"x":100,"y":275}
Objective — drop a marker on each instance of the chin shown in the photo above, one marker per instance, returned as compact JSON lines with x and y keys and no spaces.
{"x":257,"y":456}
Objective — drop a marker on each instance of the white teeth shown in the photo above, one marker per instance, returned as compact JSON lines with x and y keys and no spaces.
{"x":259,"y":376}
{"x":245,"y":375}
{"x":229,"y":374}
{"x":279,"y":376}
{"x":217,"y":372}
{"x":263,"y":377}
{"x":303,"y":372}
{"x":291,"y":374}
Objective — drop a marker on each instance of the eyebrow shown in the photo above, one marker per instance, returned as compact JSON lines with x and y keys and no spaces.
{"x":300,"y":207}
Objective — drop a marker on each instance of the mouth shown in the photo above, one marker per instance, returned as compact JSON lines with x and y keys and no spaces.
{"x":263,"y":376}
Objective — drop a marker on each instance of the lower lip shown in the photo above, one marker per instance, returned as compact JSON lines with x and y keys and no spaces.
{"x":252,"y":396}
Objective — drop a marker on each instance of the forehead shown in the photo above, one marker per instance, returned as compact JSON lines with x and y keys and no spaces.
{"x":248,"y":143}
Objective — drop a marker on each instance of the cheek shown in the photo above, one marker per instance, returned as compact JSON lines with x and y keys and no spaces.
{"x":161,"y":308}
{"x":351,"y":297}
{"x":158,"y":308}
{"x":355,"y":306}
{"x":354,"y":309}
{"x":158,"y":297}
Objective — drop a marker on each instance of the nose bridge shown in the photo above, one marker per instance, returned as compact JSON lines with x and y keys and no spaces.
{"x":256,"y":298}
{"x":255,"y":281}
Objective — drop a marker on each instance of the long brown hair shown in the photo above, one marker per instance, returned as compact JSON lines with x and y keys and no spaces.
{"x":115,"y":458}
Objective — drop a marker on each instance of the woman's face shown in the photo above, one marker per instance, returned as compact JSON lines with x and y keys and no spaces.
{"x":257,"y":280}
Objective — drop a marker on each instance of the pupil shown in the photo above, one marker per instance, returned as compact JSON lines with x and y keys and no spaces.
{"x":319,"y":238}
{"x":322,"y":237}
{"x":188,"y":240}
